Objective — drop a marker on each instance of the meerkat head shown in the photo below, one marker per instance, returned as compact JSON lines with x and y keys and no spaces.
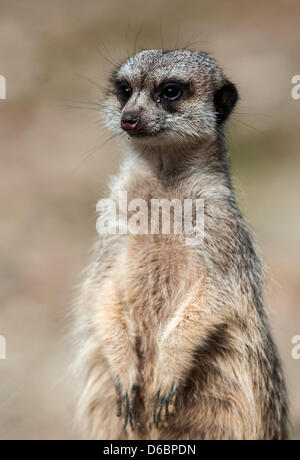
{"x":175,"y":97}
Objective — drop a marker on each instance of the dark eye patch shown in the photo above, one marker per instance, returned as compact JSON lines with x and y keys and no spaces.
{"x":124,"y":90}
{"x":169,"y":93}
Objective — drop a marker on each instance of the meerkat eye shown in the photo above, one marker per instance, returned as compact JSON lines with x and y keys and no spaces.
{"x":124,"y":90}
{"x":171,"y":92}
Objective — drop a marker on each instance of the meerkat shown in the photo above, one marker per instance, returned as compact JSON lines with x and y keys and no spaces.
{"x":173,"y":339}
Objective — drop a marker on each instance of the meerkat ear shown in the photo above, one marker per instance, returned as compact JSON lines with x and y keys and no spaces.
{"x":225,"y":99}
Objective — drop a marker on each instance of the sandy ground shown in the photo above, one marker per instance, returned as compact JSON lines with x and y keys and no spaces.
{"x":54,"y":168}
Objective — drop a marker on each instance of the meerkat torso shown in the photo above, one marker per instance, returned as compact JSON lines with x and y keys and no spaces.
{"x":173,"y":338}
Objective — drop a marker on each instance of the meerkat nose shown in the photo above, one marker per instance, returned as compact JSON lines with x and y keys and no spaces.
{"x":129,"y":122}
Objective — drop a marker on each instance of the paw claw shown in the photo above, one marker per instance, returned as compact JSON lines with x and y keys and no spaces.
{"x":164,"y":404}
{"x":127,"y":412}
{"x":119,"y":397}
{"x":126,"y":403}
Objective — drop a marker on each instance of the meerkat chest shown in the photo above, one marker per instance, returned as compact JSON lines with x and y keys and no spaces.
{"x":155,"y":272}
{"x":156,"y":257}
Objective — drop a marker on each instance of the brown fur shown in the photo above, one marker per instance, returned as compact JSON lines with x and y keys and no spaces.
{"x":154,"y":311}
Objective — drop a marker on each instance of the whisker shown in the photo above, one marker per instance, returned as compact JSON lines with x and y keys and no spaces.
{"x":177,"y":36}
{"x":252,"y":114}
{"x":247,"y":124}
{"x":93,"y":150}
{"x":79,"y":107}
{"x":84,"y":105}
{"x":161,"y":36}
{"x":196,"y":42}
{"x":107,"y":56}
{"x":126,"y":39}
{"x":115,"y":63}
{"x":95,"y":103}
{"x":136,"y":38}
{"x":95,"y":124}
{"x":91,"y":81}
{"x":95,"y":107}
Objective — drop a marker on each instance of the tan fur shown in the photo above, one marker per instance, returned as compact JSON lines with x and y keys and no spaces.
{"x":154,"y":311}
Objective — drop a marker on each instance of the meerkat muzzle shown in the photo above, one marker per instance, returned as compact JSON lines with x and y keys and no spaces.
{"x":129,"y":122}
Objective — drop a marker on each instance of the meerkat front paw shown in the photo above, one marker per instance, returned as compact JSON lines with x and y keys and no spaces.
{"x":127,"y":402}
{"x":165,"y":400}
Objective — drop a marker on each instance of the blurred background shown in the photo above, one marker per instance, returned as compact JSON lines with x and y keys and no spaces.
{"x":56,"y":56}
